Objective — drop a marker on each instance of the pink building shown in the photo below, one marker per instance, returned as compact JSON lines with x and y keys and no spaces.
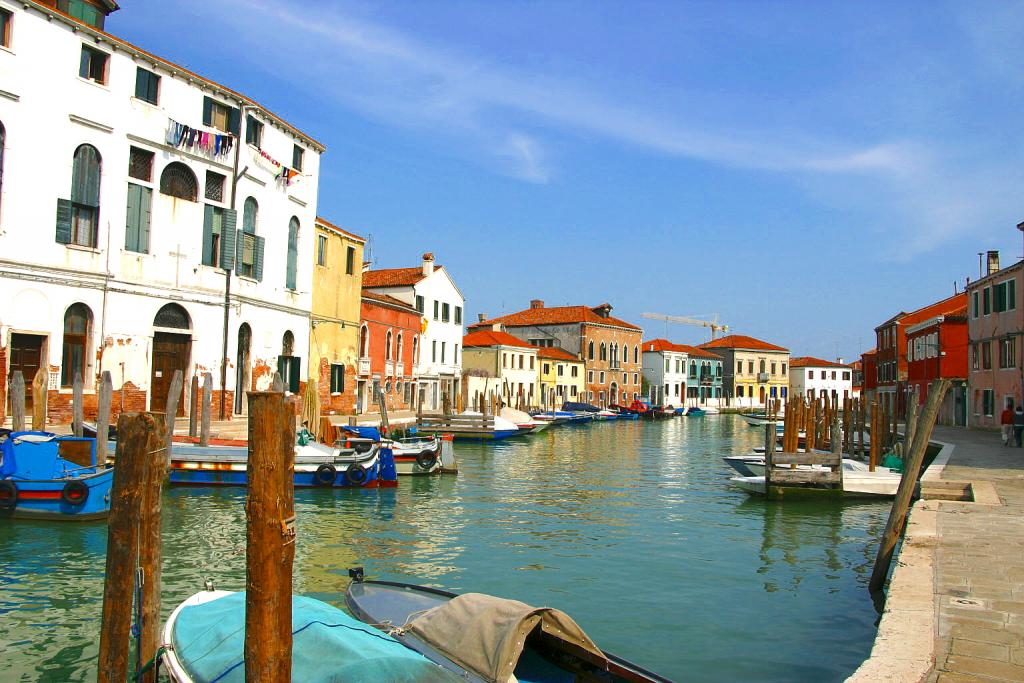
{"x":995,"y":328}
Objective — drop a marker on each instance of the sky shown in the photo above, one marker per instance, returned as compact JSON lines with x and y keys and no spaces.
{"x":804,"y":170}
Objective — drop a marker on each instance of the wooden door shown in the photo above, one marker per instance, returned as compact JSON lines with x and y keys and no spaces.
{"x":26,"y":356}
{"x":170,"y":353}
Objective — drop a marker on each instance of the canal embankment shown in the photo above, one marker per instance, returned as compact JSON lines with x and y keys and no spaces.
{"x":954,"y":610}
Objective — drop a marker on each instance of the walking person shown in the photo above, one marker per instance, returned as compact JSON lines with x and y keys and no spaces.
{"x":1018,"y":425}
{"x":1006,"y":421}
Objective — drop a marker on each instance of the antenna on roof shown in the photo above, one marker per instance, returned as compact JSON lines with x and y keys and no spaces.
{"x":368,"y":251}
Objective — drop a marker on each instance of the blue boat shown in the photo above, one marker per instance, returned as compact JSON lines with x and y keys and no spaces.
{"x":46,"y":476}
{"x":205,"y":637}
{"x":692,"y":411}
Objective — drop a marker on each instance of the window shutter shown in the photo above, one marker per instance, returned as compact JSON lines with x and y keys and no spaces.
{"x":145,"y":211}
{"x":85,"y":177}
{"x":239,"y":247}
{"x":208,"y":235}
{"x":257,"y":265}
{"x":293,"y":248}
{"x":233,"y":121}
{"x":227,"y":239}
{"x":83,"y":64}
{"x":207,"y":111}
{"x":295,"y":368}
{"x":1011,"y":287}
{"x":131,"y":234}
{"x":63,"y":221}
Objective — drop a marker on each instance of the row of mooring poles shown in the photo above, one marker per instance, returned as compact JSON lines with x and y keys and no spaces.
{"x":134,"y":542}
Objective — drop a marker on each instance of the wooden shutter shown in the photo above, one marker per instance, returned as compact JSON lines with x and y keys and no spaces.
{"x":257,"y":260}
{"x":83,"y":64}
{"x":145,"y":215}
{"x":295,"y":367}
{"x":239,"y":248}
{"x":63,"y":221}
{"x":234,"y":121}
{"x":227,"y":239}
{"x":208,"y":235}
{"x":293,"y":254}
{"x":85,"y":176}
{"x":137,"y":224}
{"x":207,"y":111}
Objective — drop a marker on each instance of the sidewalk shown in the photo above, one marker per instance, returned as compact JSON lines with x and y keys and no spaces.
{"x":979,"y":565}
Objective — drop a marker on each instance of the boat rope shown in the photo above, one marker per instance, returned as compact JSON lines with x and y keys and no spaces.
{"x":154,"y":661}
{"x":396,"y":631}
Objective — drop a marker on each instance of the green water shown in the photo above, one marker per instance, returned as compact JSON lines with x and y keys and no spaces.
{"x":632,"y":528}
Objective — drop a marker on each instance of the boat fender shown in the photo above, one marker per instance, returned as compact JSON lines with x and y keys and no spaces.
{"x":74,"y":492}
{"x":8,"y":494}
{"x":356,"y":474}
{"x":362,"y":447}
{"x":326,"y":474}
{"x":426,"y":459}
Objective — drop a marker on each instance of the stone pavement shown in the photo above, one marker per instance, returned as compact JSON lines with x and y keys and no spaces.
{"x":979,"y":565}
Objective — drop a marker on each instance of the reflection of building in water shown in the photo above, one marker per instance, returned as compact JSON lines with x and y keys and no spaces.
{"x":790,"y":531}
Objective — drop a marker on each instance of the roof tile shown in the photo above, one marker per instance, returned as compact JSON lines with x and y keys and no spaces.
{"x":557,"y":315}
{"x":740,"y":341}
{"x":492,"y":338}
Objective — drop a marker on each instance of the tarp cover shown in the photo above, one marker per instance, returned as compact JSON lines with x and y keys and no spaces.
{"x":517,"y":416}
{"x":329,"y":646}
{"x":485,"y":634}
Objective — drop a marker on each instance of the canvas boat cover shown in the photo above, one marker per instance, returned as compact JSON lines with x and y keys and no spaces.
{"x":486,"y":635}
{"x":328,"y":646}
{"x":516,"y":416}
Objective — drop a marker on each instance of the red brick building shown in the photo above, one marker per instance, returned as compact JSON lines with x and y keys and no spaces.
{"x":869,"y":375}
{"x":937,"y":349}
{"x":389,"y":347}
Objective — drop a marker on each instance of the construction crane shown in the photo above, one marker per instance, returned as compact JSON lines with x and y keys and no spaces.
{"x":684,"y":320}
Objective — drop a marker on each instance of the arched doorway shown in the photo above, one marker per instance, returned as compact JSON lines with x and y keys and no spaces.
{"x":613,"y":394}
{"x":172,"y":348}
{"x":761,"y":395}
{"x":242,"y":368}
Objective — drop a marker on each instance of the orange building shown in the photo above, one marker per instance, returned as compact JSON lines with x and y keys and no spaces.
{"x":389,"y":347}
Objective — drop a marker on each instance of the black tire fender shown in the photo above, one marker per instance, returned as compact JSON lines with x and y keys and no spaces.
{"x":75,"y":492}
{"x":356,"y":474}
{"x":426,"y":459}
{"x":326,"y":474}
{"x":8,"y":494}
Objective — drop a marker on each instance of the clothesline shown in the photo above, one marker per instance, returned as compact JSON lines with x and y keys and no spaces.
{"x":216,"y":144}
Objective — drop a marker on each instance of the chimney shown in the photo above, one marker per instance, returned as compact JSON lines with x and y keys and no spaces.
{"x":428,"y":264}
{"x":839,"y":360}
{"x":993,"y":262}
{"x":536,"y":303}
{"x":480,"y":317}
{"x":604,"y":310}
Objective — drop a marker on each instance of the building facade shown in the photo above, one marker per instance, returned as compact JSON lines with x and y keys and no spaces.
{"x":937,"y":349}
{"x":754,"y":371}
{"x":609,"y":347}
{"x":499,"y":367}
{"x":125,"y":246}
{"x":665,"y":367}
{"x":389,"y":342}
{"x":815,"y":377}
{"x":704,"y":378}
{"x":431,"y":290}
{"x":995,"y":327}
{"x":869,"y":368}
{"x":335,"y":316}
{"x":560,"y":376}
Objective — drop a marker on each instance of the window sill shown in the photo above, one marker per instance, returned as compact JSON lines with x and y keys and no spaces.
{"x":248,"y":278}
{"x":217,"y":268}
{"x":152,"y":105}
{"x":8,"y":49}
{"x":79,"y":247}
{"x":101,"y":86}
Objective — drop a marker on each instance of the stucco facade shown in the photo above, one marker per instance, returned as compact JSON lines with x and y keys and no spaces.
{"x":498,"y":366}
{"x":665,"y":367}
{"x":754,"y":371}
{"x":813,"y":378}
{"x":389,"y":339}
{"x":560,"y":376}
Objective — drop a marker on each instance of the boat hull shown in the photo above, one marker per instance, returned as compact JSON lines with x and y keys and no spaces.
{"x":42,"y":499}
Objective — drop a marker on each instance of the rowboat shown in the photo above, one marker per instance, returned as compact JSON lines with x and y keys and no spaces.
{"x":45,"y":476}
{"x":524,"y":421}
{"x":486,"y":639}
{"x":205,"y":642}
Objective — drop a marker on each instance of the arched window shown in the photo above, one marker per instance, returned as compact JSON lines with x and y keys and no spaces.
{"x":590,"y":351}
{"x":364,"y":342}
{"x":85,"y":197}
{"x":288,"y":364}
{"x":604,"y":352}
{"x":636,"y":354}
{"x":179,"y":181}
{"x":625,"y":353}
{"x":399,"y":348}
{"x":287,"y":343}
{"x":693,"y":368}
{"x":387,"y":346}
{"x":172,"y":316}
{"x":250,"y":212}
{"x":77,"y":326}
{"x":415,"y":350}
{"x":293,"y":253}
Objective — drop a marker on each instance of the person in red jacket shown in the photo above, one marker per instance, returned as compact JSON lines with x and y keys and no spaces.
{"x":1006,"y":421}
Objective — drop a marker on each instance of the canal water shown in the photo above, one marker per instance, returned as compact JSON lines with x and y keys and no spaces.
{"x":632,"y":528}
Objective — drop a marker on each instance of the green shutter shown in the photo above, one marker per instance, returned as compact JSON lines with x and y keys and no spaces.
{"x":145,"y":216}
{"x":207,"y":111}
{"x":137,"y":223}
{"x":239,"y":248}
{"x":83,"y":64}
{"x":227,"y":239}
{"x":63,"y":221}
{"x":257,"y":260}
{"x":85,"y":176}
{"x":293,"y":254}
{"x":293,"y":375}
{"x":208,"y":236}
{"x":234,"y":121}
{"x":1011,"y":296}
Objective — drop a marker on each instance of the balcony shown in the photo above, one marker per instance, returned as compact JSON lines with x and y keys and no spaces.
{"x":364,"y":367}
{"x":399,"y":369}
{"x":762,"y":377}
{"x":389,"y":368}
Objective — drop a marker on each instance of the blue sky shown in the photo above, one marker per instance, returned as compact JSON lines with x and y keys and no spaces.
{"x":803,"y":169}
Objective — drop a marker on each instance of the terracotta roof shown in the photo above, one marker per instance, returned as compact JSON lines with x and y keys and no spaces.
{"x":374,"y":297}
{"x":492,"y":338}
{"x":393,"y":277}
{"x":739,"y":341}
{"x":812,"y":362}
{"x":557,"y":354}
{"x":951,"y":306}
{"x":557,"y":315}
{"x":697,"y":352}
{"x":86,"y":28}
{"x":320,"y":220}
{"x":872,"y":352}
{"x":666,"y":345}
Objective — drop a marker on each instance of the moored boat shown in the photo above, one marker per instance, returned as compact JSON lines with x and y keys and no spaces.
{"x":693,"y":411}
{"x":46,"y":476}
{"x":858,"y":481}
{"x":413,"y":456}
{"x":482,"y":638}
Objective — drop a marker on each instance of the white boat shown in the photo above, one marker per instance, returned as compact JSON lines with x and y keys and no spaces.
{"x":710,"y":410}
{"x":526,"y":422}
{"x":760,"y":419}
{"x":858,"y":481}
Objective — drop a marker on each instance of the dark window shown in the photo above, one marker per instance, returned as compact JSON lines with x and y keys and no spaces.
{"x":140,"y":200}
{"x":178,"y":180}
{"x":78,"y":219}
{"x":93,"y":64}
{"x":986,"y":355}
{"x":253,"y":131}
{"x":291,"y":267}
{"x":458,"y":315}
{"x":5,"y":28}
{"x":215,"y":186}
{"x":437,"y":307}
{"x":445,"y":313}
{"x":83,"y":11}
{"x":213,"y":232}
{"x":297,"y":155}
{"x":290,"y":368}
{"x":337,"y":378}
{"x":172,"y":316}
{"x":140,"y":164}
{"x":321,"y":250}
{"x":590,"y":351}
{"x":986,"y":296}
{"x":77,"y":321}
{"x":350,"y":260}
{"x":220,"y":116}
{"x":147,"y":85}
{"x":974,"y":300}
{"x":419,"y":303}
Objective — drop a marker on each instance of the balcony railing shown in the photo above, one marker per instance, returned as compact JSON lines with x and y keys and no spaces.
{"x":389,"y":368}
{"x":762,"y":377}
{"x":399,"y":369}
{"x":364,"y":367}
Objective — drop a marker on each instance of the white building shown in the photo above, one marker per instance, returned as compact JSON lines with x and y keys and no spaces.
{"x":431,"y":290}
{"x":145,"y":224}
{"x":814,"y":377}
{"x":664,"y":368}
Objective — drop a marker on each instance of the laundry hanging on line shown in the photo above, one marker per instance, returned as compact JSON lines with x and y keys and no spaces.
{"x":215,"y":144}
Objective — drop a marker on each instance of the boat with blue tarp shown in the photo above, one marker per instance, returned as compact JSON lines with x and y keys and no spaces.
{"x":46,"y":476}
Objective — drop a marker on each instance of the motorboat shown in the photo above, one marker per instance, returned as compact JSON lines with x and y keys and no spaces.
{"x":761,"y":419}
{"x":482,"y":638}
{"x":524,"y":421}
{"x":858,"y":481}
{"x":693,"y":411}
{"x":413,"y":455}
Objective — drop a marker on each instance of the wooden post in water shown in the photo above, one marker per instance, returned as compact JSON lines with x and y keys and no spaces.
{"x":77,"y":407}
{"x":173,"y":398}
{"x":908,"y":483}
{"x":862,"y":427}
{"x":39,"y":384}
{"x":847,"y":424}
{"x":876,"y":436}
{"x":150,"y":541}
{"x":193,"y":408}
{"x":204,"y":425}
{"x":104,"y":397}
{"x":812,"y":425}
{"x":133,"y":432}
{"x":270,"y":539}
{"x":911,"y":426}
{"x":18,"y":401}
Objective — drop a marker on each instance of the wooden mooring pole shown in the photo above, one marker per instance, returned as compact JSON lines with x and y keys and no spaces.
{"x":18,"y":401}
{"x":39,"y":385}
{"x":270,"y":538}
{"x":104,"y":397}
{"x":77,"y":404}
{"x":193,"y":408}
{"x":204,"y":427}
{"x":908,"y":483}
{"x":133,"y":438}
{"x":150,"y":541}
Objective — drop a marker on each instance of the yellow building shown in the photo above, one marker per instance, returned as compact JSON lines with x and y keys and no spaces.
{"x":334,"y":319}
{"x":755,"y":371}
{"x":561,"y":377}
